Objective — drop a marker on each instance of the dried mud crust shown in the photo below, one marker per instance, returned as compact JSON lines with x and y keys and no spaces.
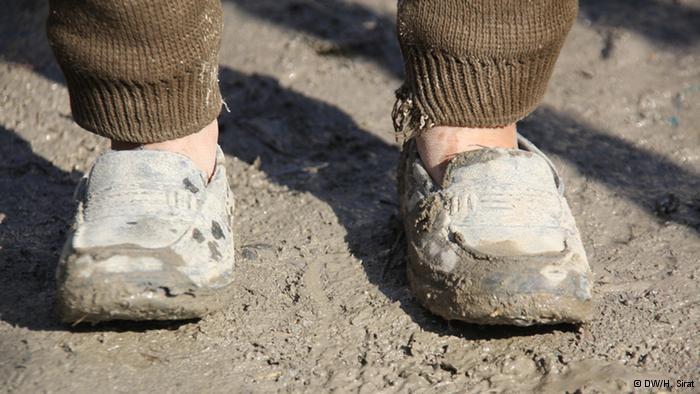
{"x":98,"y":303}
{"x":321,"y":302}
{"x":455,"y":303}
{"x":169,"y":296}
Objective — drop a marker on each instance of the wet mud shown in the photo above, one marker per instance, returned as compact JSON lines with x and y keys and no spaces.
{"x":321,"y":301}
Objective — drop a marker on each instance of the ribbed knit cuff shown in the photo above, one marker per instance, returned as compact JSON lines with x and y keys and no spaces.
{"x":442,"y":90}
{"x":476,"y":63}
{"x":144,"y":112}
{"x":139,"y":71}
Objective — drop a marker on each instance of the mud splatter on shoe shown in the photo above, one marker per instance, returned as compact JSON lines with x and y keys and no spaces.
{"x":151,"y":240}
{"x":496,"y":242}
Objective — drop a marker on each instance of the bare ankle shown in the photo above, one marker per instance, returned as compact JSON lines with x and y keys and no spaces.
{"x":438,"y":145}
{"x":200,"y":147}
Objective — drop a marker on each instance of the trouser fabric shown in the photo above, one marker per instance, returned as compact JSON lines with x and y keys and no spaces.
{"x":147,"y":71}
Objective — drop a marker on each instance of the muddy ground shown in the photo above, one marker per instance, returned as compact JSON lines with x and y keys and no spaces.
{"x":321,"y":299}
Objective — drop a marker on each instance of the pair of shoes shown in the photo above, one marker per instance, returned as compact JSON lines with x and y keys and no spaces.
{"x":495,"y":244}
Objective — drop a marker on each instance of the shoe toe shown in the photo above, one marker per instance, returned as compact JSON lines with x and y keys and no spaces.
{"x":519,"y":291}
{"x":137,"y":284}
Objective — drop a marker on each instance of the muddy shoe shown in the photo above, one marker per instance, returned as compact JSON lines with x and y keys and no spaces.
{"x":496,"y":243}
{"x":151,"y":240}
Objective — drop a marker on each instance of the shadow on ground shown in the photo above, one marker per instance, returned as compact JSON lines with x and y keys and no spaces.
{"x":664,"y":22}
{"x":650,"y":180}
{"x":343,"y":28}
{"x":37,"y":207}
{"x":23,"y":37}
{"x":335,"y":28}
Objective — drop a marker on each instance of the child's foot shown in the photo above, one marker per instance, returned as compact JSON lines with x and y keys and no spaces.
{"x":438,"y":145}
{"x":494,"y":242}
{"x":200,"y":147}
{"x":151,"y":239}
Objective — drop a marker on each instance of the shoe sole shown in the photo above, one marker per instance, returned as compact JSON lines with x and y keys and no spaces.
{"x":503,"y":301}
{"x":166,"y":294}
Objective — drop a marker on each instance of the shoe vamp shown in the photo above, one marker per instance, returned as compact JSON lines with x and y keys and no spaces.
{"x":147,"y":219}
{"x":507,"y":210}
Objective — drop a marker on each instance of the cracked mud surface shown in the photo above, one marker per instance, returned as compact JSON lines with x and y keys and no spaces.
{"x":321,"y":301}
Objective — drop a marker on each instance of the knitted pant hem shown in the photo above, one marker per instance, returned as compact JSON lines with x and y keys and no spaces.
{"x":444,"y":90}
{"x":144,"y":112}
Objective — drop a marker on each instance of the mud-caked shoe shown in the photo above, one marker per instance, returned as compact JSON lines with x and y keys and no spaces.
{"x":151,"y":240}
{"x":496,"y":242}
